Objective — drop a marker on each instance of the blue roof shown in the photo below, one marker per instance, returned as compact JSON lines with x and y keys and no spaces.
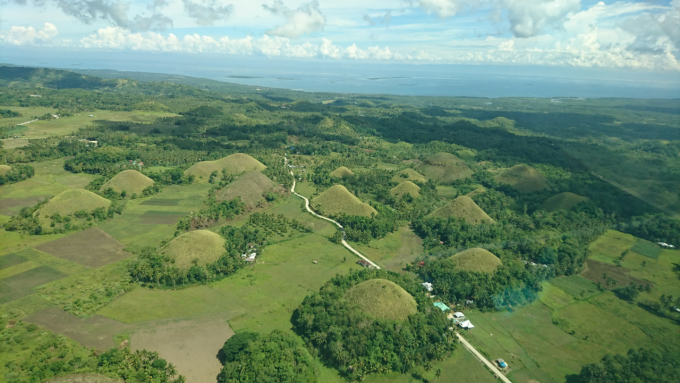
{"x":442,"y":306}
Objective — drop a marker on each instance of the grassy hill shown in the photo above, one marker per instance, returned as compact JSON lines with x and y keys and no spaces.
{"x":233,"y":164}
{"x":4,"y":169}
{"x":342,"y":172}
{"x":563,"y":201}
{"x":250,"y":187}
{"x":383,"y":299}
{"x":476,"y":192}
{"x":203,"y":245}
{"x":131,"y":181}
{"x":406,"y":187}
{"x":408,"y":175}
{"x":444,"y":167}
{"x":463,"y":207}
{"x":72,"y":200}
{"x":337,"y":199}
{"x":523,"y":178}
{"x":477,"y":260}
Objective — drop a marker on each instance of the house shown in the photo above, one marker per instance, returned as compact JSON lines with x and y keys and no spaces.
{"x":442,"y":306}
{"x":466,"y":325}
{"x":501,"y":363}
{"x":428,"y":286}
{"x":459,"y":315}
{"x":365,"y":263}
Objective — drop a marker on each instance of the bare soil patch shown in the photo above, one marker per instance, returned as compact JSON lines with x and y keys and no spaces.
{"x":94,"y":332}
{"x":190,"y":344}
{"x":161,"y":217}
{"x":11,"y":206}
{"x":84,"y":378}
{"x":20,"y":285}
{"x":10,"y":260}
{"x":596,"y":273}
{"x":91,"y":248}
{"x":161,"y":202}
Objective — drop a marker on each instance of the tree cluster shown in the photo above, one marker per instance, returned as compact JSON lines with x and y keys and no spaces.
{"x":17,"y":173}
{"x":638,"y":366}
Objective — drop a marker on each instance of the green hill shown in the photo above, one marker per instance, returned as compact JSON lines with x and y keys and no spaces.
{"x":131,"y":181}
{"x":408,"y":175}
{"x":250,"y":187}
{"x":342,"y":172}
{"x":4,"y":169}
{"x":337,"y":199}
{"x":444,"y":168}
{"x":524,"y":178}
{"x":563,"y":201}
{"x":477,"y":260}
{"x":203,"y":245}
{"x":382,"y":299}
{"x":233,"y":164}
{"x":406,"y":187}
{"x":72,"y":200}
{"x":476,"y":192}
{"x":463,"y":207}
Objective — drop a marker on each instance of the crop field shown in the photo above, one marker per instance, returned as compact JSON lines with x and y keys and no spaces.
{"x":602,"y":272}
{"x":160,"y":217}
{"x":647,"y":249}
{"x":22,"y":284}
{"x":96,"y":332}
{"x":576,"y":286}
{"x":161,"y":202}
{"x":91,"y":248}
{"x":12,"y":206}
{"x":191,"y":345}
{"x":610,"y":246}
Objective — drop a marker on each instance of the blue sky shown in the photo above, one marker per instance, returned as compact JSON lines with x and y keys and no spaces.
{"x":633,"y":35}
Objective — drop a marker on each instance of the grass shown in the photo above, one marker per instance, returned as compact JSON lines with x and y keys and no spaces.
{"x":406,"y":187}
{"x":554,"y":297}
{"x":477,"y":260}
{"x":91,"y":248}
{"x":524,"y":178}
{"x":596,"y":272}
{"x":444,"y":168}
{"x":233,"y":164}
{"x":130,"y":181}
{"x":18,"y":269}
{"x":4,"y":169}
{"x":646,"y":248}
{"x":10,"y":260}
{"x":576,"y":286}
{"x":250,"y":187}
{"x":22,"y":284}
{"x":382,"y":299}
{"x":306,"y":189}
{"x":337,"y":199}
{"x":342,"y":172}
{"x":563,"y":201}
{"x":72,"y":200}
{"x":446,"y":191}
{"x":395,"y":250}
{"x":408,"y":174}
{"x":463,"y":207}
{"x":610,"y":246}
{"x":201,"y":245}
{"x":476,"y":192}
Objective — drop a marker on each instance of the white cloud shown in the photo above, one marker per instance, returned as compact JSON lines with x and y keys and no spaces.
{"x":307,"y":19}
{"x":30,"y":36}
{"x":531,"y":17}
{"x":449,"y":8}
{"x":206,"y":12}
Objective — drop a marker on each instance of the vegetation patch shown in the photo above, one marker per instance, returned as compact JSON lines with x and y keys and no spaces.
{"x":610,"y":276}
{"x":576,"y":286}
{"x":563,"y":201}
{"x":198,"y":247}
{"x":11,"y":206}
{"x":444,"y":168}
{"x":10,"y":260}
{"x":15,"y":173}
{"x":91,"y":248}
{"x":233,"y":164}
{"x":463,"y":207}
{"x":408,"y":174}
{"x":524,"y":178}
{"x":383,"y":299}
{"x":477,"y":260}
{"x":161,"y":202}
{"x":338,"y":200}
{"x":94,"y":332}
{"x":84,"y":378}
{"x":342,"y":172}
{"x":251,"y":187}
{"x":128,"y":181}
{"x":22,"y":284}
{"x":4,"y":169}
{"x":647,"y":249}
{"x":406,"y":187}
{"x":476,"y":192}
{"x":160,"y":217}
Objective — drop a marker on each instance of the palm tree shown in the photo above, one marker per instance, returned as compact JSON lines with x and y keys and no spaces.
{"x":438,"y":374}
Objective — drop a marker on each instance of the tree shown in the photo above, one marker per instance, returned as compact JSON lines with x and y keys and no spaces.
{"x":235,"y":345}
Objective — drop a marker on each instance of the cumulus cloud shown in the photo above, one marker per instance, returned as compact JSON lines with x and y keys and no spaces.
{"x":307,"y":19}
{"x":655,"y":32}
{"x":449,"y":8}
{"x":208,"y":11}
{"x":30,"y":36}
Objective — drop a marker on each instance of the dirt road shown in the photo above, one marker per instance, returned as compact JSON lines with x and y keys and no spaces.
{"x":481,"y":357}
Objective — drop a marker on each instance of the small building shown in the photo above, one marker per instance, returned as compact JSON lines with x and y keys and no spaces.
{"x":466,"y":325}
{"x":442,"y":306}
{"x":365,"y":263}
{"x":428,"y":286}
{"x":501,"y":363}
{"x":458,"y":315}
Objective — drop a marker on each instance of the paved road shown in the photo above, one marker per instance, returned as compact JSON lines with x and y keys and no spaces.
{"x":481,"y":357}
{"x":344,"y":243}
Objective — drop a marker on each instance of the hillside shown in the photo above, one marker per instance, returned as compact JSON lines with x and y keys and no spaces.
{"x":72,"y":200}
{"x":250,"y":187}
{"x":202,"y":245}
{"x":337,"y":200}
{"x":463,"y":207}
{"x":563,"y":201}
{"x":477,"y":260}
{"x":382,"y":299}
{"x":524,"y":178}
{"x":408,"y":174}
{"x":130,"y":181}
{"x":406,"y":187}
{"x":4,"y":169}
{"x":444,"y":168}
{"x":233,"y":164}
{"x":342,"y":172}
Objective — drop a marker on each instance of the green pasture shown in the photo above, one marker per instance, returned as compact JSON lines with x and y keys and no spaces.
{"x":610,"y":246}
{"x":448,"y":192}
{"x":306,"y":189}
{"x":394,"y":251}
